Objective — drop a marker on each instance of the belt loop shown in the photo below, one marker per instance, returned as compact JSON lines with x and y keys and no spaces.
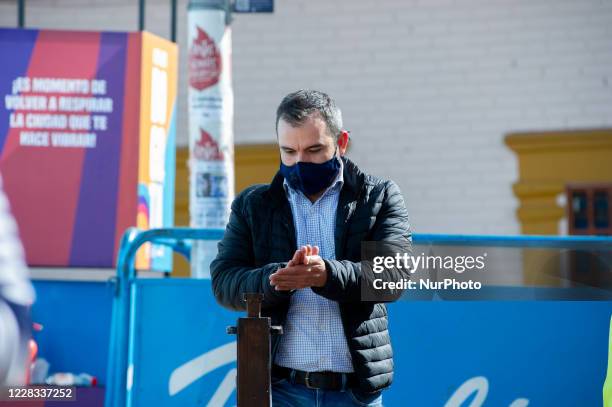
{"x":344,"y":381}
{"x":292,"y":376}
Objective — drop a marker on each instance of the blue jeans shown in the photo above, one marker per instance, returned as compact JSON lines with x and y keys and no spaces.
{"x":287,"y":394}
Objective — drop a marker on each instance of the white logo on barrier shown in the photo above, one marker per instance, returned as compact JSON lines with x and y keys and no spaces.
{"x":200,"y":366}
{"x":480,"y":385}
{"x":193,"y":370}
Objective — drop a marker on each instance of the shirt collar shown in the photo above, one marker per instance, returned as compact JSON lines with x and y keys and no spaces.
{"x":337,"y":183}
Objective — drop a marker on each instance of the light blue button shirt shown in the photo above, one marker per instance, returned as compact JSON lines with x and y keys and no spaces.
{"x":313,"y":338}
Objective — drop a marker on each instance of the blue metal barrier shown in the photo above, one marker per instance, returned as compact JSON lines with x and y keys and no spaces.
{"x":446,"y":352}
{"x":519,"y":241}
{"x":179,"y":239}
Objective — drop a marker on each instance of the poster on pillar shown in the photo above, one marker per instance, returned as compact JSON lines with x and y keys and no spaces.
{"x":211,"y":158}
{"x":87,"y":142}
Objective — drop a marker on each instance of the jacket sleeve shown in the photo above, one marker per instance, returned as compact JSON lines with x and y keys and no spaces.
{"x":233,"y":271}
{"x":392,"y":229}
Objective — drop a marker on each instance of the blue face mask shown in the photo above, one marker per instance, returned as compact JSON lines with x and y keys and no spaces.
{"x":311,"y":178}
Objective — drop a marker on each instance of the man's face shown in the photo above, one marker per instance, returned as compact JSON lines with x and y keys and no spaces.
{"x":309,"y":142}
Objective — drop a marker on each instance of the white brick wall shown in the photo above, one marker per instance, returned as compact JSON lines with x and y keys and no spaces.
{"x":428,"y":88}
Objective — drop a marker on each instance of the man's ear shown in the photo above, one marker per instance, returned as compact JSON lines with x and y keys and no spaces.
{"x":343,"y":140}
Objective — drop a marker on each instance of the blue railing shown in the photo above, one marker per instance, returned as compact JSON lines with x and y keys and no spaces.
{"x":516,"y":241}
{"x":180,"y":240}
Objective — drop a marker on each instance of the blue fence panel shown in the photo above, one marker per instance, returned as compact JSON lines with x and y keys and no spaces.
{"x":76,"y":317}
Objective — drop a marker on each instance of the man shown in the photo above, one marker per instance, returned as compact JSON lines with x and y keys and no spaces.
{"x":16,"y":297}
{"x":336,"y":348}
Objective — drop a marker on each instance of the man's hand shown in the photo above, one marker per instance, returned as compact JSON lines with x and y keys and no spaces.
{"x":305,"y":269}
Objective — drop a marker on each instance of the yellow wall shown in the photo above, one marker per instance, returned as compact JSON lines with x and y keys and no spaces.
{"x":547,"y":163}
{"x":255,"y":164}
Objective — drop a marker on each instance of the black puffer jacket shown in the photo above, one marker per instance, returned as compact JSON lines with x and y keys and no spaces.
{"x":260,"y":237}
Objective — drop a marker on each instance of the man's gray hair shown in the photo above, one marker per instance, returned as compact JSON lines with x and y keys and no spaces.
{"x":297,"y":106}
